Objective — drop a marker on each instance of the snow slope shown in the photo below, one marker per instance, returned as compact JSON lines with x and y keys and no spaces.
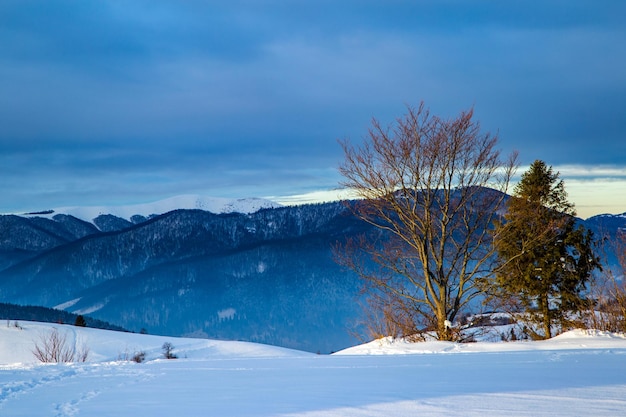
{"x":576,"y":374}
{"x":573,"y":340}
{"x":189,"y":201}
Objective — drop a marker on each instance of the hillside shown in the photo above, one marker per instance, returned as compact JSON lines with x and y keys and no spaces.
{"x":579,"y":373}
{"x":267,"y":276}
{"x":14,"y":313}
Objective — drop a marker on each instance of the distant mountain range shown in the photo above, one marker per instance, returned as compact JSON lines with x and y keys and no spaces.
{"x":138,"y":213}
{"x":195,"y":266}
{"x":255,"y":272}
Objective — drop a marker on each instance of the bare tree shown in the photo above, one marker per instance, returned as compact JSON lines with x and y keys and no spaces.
{"x":431,"y":187}
{"x":607,"y":307}
{"x":168,"y":351}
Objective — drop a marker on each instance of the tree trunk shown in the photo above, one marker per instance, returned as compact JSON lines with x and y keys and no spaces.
{"x":443,"y":332}
{"x":544,"y":306}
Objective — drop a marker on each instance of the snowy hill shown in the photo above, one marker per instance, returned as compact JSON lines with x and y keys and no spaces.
{"x":188,"y":201}
{"x":17,"y":343}
{"x":578,"y":373}
{"x":572,"y":340}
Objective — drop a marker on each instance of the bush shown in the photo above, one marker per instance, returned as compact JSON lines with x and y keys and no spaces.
{"x":54,"y":348}
{"x":138,"y":357}
{"x":168,"y":351}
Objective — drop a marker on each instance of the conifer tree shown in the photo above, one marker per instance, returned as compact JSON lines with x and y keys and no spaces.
{"x":80,"y":321}
{"x":546,"y":259}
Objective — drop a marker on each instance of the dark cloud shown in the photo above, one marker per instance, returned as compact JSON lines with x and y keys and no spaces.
{"x":143,"y":99}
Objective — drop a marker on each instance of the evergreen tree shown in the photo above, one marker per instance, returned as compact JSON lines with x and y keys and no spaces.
{"x":80,"y":321}
{"x":546,"y":259}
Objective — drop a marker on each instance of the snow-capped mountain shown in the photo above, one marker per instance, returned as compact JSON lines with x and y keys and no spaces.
{"x":186,"y":202}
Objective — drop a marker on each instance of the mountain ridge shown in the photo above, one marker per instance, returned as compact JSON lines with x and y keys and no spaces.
{"x":174,"y":274}
{"x":215,"y":205}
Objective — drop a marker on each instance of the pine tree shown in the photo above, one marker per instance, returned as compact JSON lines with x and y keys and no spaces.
{"x":546,"y":259}
{"x":80,"y":321}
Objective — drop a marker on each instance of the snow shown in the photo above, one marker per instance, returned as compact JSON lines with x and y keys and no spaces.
{"x":580,"y":373}
{"x":227,"y":314}
{"x":572,"y":340}
{"x":187,"y":201}
{"x":67,"y":304}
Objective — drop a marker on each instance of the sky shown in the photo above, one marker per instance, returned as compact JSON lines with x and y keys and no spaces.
{"x":132,"y":101}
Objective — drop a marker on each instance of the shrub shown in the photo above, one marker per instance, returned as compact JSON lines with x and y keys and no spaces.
{"x":54,"y":348}
{"x":139,"y":357}
{"x":168,"y":351}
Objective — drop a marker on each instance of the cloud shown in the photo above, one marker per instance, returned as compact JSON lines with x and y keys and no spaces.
{"x":592,"y":172}
{"x":594,"y":189}
{"x":249,"y":96}
{"x":597,"y":195}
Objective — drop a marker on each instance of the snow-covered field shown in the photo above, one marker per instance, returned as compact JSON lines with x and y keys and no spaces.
{"x":576,"y":374}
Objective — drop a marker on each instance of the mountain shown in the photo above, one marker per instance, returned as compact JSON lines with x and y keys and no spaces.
{"x":607,"y":223}
{"x":247,"y":271}
{"x":138,"y":213}
{"x":22,"y":238}
{"x":26,"y":235}
{"x":606,"y":228}
{"x":265,"y":276}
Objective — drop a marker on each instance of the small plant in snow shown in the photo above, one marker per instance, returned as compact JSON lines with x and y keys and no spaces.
{"x":168,"y":351}
{"x":54,"y":348}
{"x":138,"y":357}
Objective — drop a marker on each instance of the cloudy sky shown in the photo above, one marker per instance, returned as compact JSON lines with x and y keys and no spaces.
{"x":129,"y":101}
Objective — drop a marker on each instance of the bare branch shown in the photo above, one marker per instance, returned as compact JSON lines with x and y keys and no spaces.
{"x":433,"y":188}
{"x":53,"y":347}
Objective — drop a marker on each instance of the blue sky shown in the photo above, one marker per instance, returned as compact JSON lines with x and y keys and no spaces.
{"x":119,"y":102}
